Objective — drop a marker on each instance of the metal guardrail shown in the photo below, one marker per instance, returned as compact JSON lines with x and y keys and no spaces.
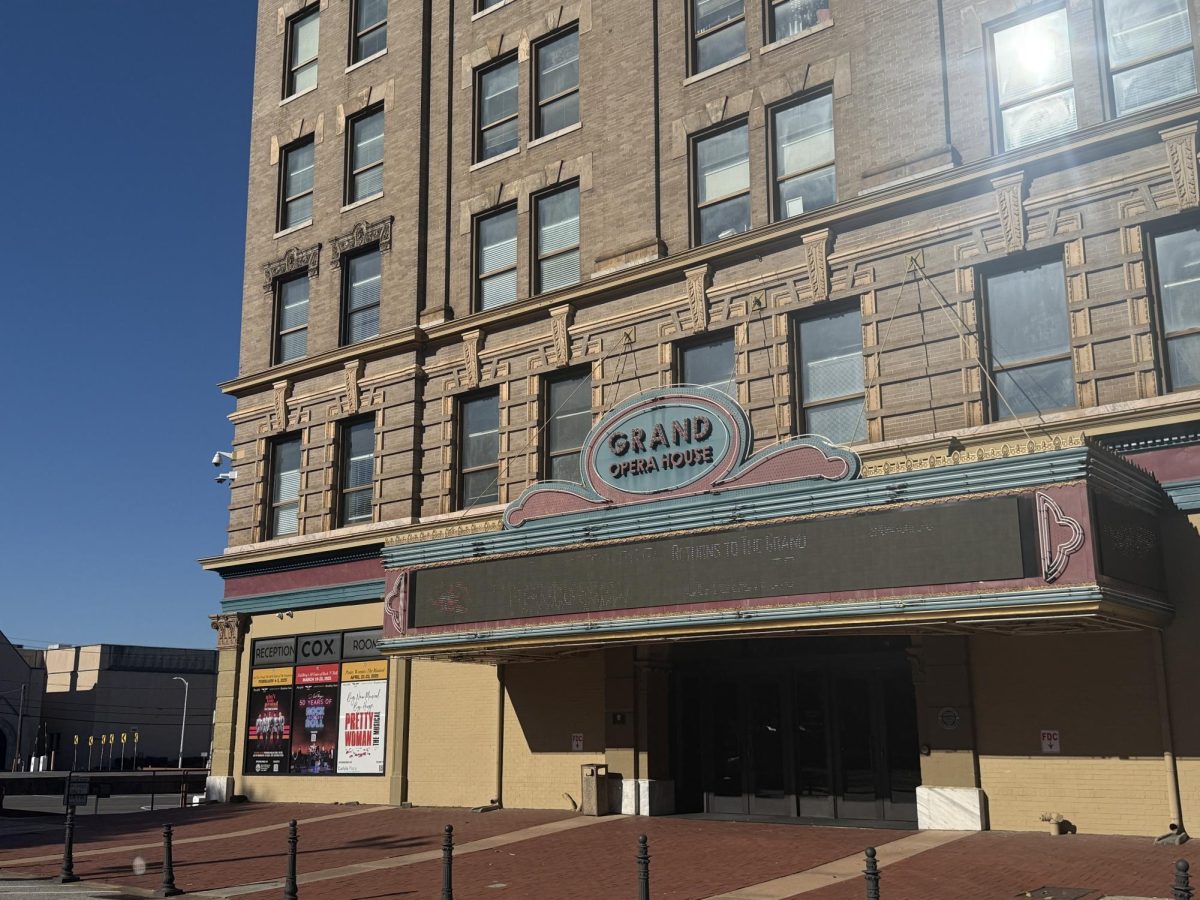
{"x":149,"y":782}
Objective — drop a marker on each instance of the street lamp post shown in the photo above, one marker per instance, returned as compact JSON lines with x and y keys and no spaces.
{"x":183,"y":724}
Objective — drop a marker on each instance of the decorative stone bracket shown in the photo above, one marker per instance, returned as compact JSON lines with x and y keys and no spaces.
{"x":1010,"y":190}
{"x":816,"y":262}
{"x":697,"y":292}
{"x":560,"y":328}
{"x":1181,"y":157}
{"x":472,"y":342}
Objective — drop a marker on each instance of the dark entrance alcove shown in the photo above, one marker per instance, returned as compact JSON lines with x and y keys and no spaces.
{"x":815,"y":729}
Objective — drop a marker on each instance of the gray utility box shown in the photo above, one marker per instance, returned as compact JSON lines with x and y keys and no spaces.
{"x":594,"y":790}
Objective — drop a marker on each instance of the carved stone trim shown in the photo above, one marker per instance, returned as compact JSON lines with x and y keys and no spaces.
{"x":230,"y":629}
{"x":1181,"y":157}
{"x":279,"y":405}
{"x":361,"y":235}
{"x":1010,"y":191}
{"x":816,"y":262}
{"x":472,"y":341}
{"x":560,"y":327}
{"x":293,"y":261}
{"x":697,"y":293}
{"x":353,"y":372}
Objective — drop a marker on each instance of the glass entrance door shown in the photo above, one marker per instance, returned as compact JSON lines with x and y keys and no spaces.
{"x":858,"y":794}
{"x":833,"y":739}
{"x":724,"y":756}
{"x":771,"y":791}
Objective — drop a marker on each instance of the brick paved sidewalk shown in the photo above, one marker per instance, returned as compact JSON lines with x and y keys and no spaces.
{"x":542,"y":855}
{"x":1004,"y":864}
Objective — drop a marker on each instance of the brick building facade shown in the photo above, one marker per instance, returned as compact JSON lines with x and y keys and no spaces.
{"x":952,"y":236}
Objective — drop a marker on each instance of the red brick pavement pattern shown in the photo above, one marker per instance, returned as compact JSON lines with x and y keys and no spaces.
{"x":95,"y":832}
{"x":260,"y":857}
{"x":1004,"y":864}
{"x":689,"y":859}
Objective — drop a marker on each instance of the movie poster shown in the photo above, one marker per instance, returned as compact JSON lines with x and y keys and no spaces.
{"x":315,"y":722}
{"x":363,"y":715}
{"x":269,"y":713}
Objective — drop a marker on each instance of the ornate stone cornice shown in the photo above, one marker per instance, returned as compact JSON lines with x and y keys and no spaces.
{"x":230,"y":629}
{"x":293,"y":261}
{"x":1181,"y":157}
{"x":1010,"y":191}
{"x":362,"y":235}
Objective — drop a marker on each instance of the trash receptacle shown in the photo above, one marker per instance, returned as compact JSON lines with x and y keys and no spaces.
{"x":594,"y":790}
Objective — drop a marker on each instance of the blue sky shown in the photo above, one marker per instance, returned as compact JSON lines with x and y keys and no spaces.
{"x":123,"y":159}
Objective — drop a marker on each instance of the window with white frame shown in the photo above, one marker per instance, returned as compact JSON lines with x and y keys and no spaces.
{"x":709,"y":363}
{"x":370,"y":29}
{"x":831,"y":376}
{"x":722,"y":184}
{"x":496,"y":258}
{"x":291,"y":318}
{"x":302,"y":39}
{"x":568,"y":417}
{"x":285,"y":487}
{"x":557,"y":83}
{"x":1029,"y":340}
{"x":791,"y":17}
{"x":364,"y":177}
{"x":557,"y":230}
{"x":496,"y":92}
{"x":1177,"y":267}
{"x":296,"y":184}
{"x":1034,"y":85}
{"x":1150,"y":57}
{"x":479,"y":450}
{"x":360,"y":290}
{"x":718,"y":32}
{"x":357,"y":477}
{"x":802,"y":134}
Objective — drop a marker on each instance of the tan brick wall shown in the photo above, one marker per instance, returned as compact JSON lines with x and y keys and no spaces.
{"x":1098,"y":691}
{"x":1099,"y":796}
{"x":547,"y":703}
{"x":454,"y":720}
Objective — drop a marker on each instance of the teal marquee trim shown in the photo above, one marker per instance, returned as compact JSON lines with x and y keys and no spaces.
{"x":962,"y":604}
{"x":1185,"y":494}
{"x":771,"y":501}
{"x":281,"y":601}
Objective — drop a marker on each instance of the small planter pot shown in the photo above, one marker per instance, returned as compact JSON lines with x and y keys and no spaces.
{"x":1057,"y":828}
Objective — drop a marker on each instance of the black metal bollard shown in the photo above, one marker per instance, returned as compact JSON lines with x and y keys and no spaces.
{"x":643,"y":863}
{"x":68,"y":875}
{"x":448,"y":864}
{"x":871,"y":875}
{"x":289,"y":883}
{"x":167,"y":888}
{"x":1183,"y":884}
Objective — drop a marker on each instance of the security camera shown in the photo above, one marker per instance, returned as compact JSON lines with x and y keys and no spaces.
{"x":226,"y":476}
{"x":220,"y":455}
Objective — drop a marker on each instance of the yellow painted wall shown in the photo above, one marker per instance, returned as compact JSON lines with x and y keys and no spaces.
{"x":546,"y":703}
{"x":310,"y":788}
{"x":454,"y":729}
{"x":1099,"y":691}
